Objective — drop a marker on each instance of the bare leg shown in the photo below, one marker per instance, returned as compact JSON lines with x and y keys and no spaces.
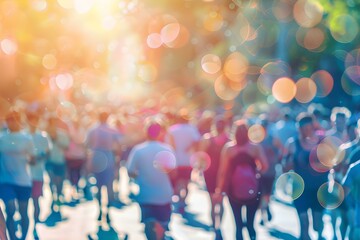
{"x":23,"y":210}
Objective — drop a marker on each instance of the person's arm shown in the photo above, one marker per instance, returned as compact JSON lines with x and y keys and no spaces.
{"x":131,"y":165}
{"x":223,"y":169}
{"x":2,"y":227}
{"x":261,"y":157}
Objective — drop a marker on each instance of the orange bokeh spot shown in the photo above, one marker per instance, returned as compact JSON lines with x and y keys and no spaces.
{"x":324,"y":82}
{"x":307,"y":13}
{"x":305,"y":90}
{"x":284,"y":90}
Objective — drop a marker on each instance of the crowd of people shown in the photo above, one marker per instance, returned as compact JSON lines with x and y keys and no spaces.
{"x":239,"y":157}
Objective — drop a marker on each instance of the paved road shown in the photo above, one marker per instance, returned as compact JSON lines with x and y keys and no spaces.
{"x":79,"y":222}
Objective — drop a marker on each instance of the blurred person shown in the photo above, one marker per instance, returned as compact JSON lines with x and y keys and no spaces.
{"x":273,"y":150}
{"x":42,"y":145}
{"x":102,"y":142}
{"x":348,"y":154}
{"x":3,"y":235}
{"x":149,"y":171}
{"x":285,"y":128}
{"x":56,"y":164}
{"x":339,"y":118}
{"x":17,"y":151}
{"x":351,"y":185}
{"x":75,"y":156}
{"x":184,"y":138}
{"x":236,"y":153}
{"x":297,"y":157}
{"x":212,"y":143}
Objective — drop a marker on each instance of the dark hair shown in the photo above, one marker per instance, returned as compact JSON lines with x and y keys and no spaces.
{"x":241,"y":132}
{"x":304,"y":118}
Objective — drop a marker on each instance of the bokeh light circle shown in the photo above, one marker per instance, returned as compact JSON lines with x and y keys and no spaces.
{"x":223,"y":88}
{"x":256,"y":133}
{"x":49,"y":61}
{"x":64,"y":81}
{"x":330,"y":195}
{"x":315,"y":162}
{"x":350,"y":81}
{"x":200,"y":161}
{"x":154,"y":40}
{"x":165,"y":161}
{"x":352,"y":58}
{"x":328,"y":151}
{"x":344,"y":28}
{"x":308,"y":13}
{"x":269,"y":73}
{"x":211,"y":63}
{"x":324,"y":82}
{"x":289,"y":184}
{"x":284,"y":90}
{"x":213,"y":21}
{"x":282,"y":10}
{"x":305,"y":90}
{"x":235,"y":67}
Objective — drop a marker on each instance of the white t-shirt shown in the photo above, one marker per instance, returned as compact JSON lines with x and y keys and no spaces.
{"x":155,"y":186}
{"x":15,"y":152}
{"x":184,"y":135}
{"x":43,"y":145}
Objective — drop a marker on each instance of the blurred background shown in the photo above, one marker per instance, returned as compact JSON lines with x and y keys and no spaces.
{"x":224,"y":55}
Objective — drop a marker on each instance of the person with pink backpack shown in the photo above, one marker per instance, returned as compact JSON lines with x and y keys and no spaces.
{"x":238,"y":177}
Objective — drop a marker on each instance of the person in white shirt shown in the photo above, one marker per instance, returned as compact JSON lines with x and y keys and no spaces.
{"x":17,"y":152}
{"x":184,"y":138}
{"x":42,"y":145}
{"x":148,"y":164}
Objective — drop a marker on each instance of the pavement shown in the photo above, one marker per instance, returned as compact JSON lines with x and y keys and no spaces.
{"x":79,"y":221}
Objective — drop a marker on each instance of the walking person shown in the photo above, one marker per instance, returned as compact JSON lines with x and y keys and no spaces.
{"x":184,"y":138}
{"x":148,"y":164}
{"x":273,"y":150}
{"x":17,"y":152}
{"x":102,"y":142}
{"x":298,"y":158}
{"x":241,"y":158}
{"x":56,"y":164}
{"x":42,"y":145}
{"x":212,"y":143}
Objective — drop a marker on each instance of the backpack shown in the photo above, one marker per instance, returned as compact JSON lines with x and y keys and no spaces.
{"x":244,"y":182}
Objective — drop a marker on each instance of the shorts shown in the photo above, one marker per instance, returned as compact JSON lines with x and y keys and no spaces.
{"x":160,"y":213}
{"x":56,"y":169}
{"x":10,"y":192}
{"x":37,"y":189}
{"x":182,"y":173}
{"x":266,"y":184}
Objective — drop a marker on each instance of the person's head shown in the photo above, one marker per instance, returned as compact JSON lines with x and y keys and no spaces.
{"x":305,"y":123}
{"x":241,"y":132}
{"x":103,"y":116}
{"x":219,"y":124}
{"x":32,"y":119}
{"x":153,"y":129}
{"x":13,"y":121}
{"x":353,"y":129}
{"x":339,"y":117}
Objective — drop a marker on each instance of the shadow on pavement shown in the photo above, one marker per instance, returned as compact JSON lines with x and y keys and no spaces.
{"x":191,"y":220}
{"x":281,"y":235}
{"x":54,"y":218}
{"x":107,"y":233}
